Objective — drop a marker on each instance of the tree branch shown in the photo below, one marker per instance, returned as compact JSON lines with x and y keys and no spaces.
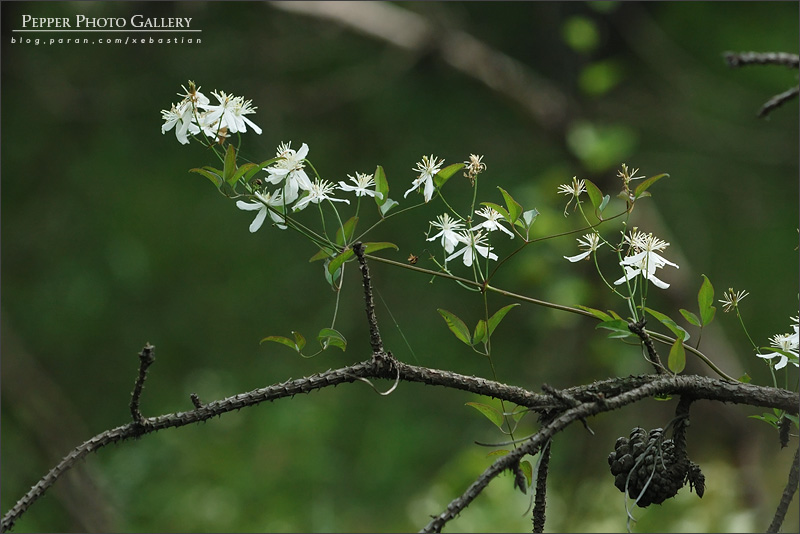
{"x":594,"y":398}
{"x":740,"y":59}
{"x":788,"y":494}
{"x":778,"y":100}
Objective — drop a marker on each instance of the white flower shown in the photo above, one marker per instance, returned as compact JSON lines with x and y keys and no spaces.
{"x":730,"y":299}
{"x":274,"y":200}
{"x":231,"y":111}
{"x":427,"y":168}
{"x":575,"y":189}
{"x":448,"y":227}
{"x":319,"y":191}
{"x":290,"y":168}
{"x":591,"y":242}
{"x":473,"y":243}
{"x":492,"y":223}
{"x":645,"y":260}
{"x":787,"y":343}
{"x":181,"y":118}
{"x":362,"y":181}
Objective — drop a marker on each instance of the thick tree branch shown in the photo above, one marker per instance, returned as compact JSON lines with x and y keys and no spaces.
{"x":595,"y":398}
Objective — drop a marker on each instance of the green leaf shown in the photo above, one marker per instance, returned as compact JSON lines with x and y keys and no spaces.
{"x":745,"y":378}
{"x":492,"y":414}
{"x":229,"y":170}
{"x":381,"y":186}
{"x":499,"y":452}
{"x":677,"y":357}
{"x":215,"y":178}
{"x":705,"y":299}
{"x":618,"y":327}
{"x":528,"y":218}
{"x":495,"y":319}
{"x":676,"y":329}
{"x":644,"y":186}
{"x":299,"y":340}
{"x":456,"y":325}
{"x":241,"y":171}
{"x":296,"y":345}
{"x":615,"y":315}
{"x":282,"y":340}
{"x":480,"y":332}
{"x":690,"y":317}
{"x":527,"y":470}
{"x":324,"y":253}
{"x":514,"y":208}
{"x":442,"y":176}
{"x":604,"y":203}
{"x":337,"y":262}
{"x":767,"y":418}
{"x":385,"y":207}
{"x":349,"y":228}
{"x":664,"y":397}
{"x":603,"y":316}
{"x":595,"y":195}
{"x":329,"y":336}
{"x":255,"y":168}
{"x":378,"y":245}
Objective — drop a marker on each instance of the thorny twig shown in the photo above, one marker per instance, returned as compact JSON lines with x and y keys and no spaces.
{"x":735,"y":59}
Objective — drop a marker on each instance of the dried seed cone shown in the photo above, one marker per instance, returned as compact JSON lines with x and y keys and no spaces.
{"x":649,"y":467}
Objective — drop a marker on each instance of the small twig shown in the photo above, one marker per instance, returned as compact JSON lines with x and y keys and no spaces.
{"x":778,"y":100}
{"x":374,"y":334}
{"x":196,"y":400}
{"x":788,"y":494}
{"x":741,"y":59}
{"x":540,"y":501}
{"x":146,"y":358}
{"x":653,"y":357}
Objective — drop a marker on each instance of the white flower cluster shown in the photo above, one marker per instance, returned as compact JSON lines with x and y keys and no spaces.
{"x":787,"y":343}
{"x":195,"y":114}
{"x":475,"y":241}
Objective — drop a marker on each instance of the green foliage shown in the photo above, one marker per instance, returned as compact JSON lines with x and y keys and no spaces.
{"x":705,"y":300}
{"x":443,"y":175}
{"x":492,"y":414}
{"x":456,"y":326}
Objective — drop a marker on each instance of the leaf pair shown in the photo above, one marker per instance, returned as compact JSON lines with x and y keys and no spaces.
{"x":483,"y":330}
{"x":327,"y":337}
{"x":231,"y":173}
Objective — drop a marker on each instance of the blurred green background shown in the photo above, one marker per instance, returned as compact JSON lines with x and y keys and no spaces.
{"x":108,"y":243}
